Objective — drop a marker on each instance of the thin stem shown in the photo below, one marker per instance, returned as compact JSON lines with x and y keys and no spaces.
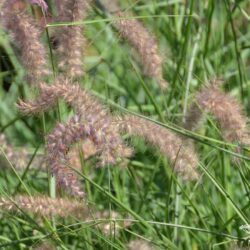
{"x":237,"y":51}
{"x":226,"y":195}
{"x":110,"y":20}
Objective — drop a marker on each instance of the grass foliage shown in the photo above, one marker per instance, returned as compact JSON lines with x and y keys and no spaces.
{"x":199,"y":41}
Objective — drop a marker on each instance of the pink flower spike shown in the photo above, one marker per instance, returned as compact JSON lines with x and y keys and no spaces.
{"x":41,"y":3}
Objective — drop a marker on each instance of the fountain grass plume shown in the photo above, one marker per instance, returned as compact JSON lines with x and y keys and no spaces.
{"x":92,"y":122}
{"x":182,"y":156}
{"x":139,"y":244}
{"x":66,"y":134}
{"x":91,"y":112}
{"x":26,"y":33}
{"x":145,"y":44}
{"x":226,"y":110}
{"x":44,"y":206}
{"x":71,"y":38}
{"x":18,"y":157}
{"x":58,"y":146}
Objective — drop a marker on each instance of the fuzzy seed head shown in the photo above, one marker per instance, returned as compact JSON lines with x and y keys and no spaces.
{"x":173,"y":147}
{"x":40,"y":3}
{"x":140,"y":245}
{"x":59,"y":141}
{"x":58,"y":144}
{"x":101,"y":129}
{"x":145,"y":44}
{"x":26,"y":34}
{"x":71,"y":38}
{"x":18,"y":157}
{"x":44,"y":206}
{"x":227,"y":111}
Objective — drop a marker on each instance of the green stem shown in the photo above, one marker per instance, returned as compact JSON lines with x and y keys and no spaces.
{"x":237,"y":51}
{"x":226,"y":195}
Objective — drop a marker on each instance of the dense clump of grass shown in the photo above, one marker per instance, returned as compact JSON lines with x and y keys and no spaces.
{"x":142,"y":170}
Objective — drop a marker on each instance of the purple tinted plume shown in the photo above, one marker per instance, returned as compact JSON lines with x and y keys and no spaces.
{"x":40,"y":3}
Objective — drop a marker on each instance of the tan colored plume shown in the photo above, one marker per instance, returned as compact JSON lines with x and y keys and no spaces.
{"x":71,"y":37}
{"x":26,"y":33}
{"x":226,"y":110}
{"x":141,"y":39}
{"x":45,"y":206}
{"x":182,"y":156}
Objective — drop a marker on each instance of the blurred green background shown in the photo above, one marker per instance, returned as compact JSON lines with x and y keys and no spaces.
{"x":199,"y":41}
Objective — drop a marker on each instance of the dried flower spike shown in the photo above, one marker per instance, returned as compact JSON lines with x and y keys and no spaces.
{"x":45,"y":206}
{"x":40,"y":3}
{"x":21,"y":5}
{"x":59,"y":142}
{"x":65,"y":135}
{"x":70,"y":38}
{"x":18,"y":157}
{"x":45,"y":246}
{"x":140,"y":245}
{"x":227,"y":111}
{"x":108,"y":139}
{"x":93,"y":123}
{"x":173,"y":147}
{"x":64,"y":208}
{"x":26,"y":33}
{"x":145,"y":44}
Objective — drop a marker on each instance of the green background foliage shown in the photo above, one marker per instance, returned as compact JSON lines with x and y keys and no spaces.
{"x":199,"y":40}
